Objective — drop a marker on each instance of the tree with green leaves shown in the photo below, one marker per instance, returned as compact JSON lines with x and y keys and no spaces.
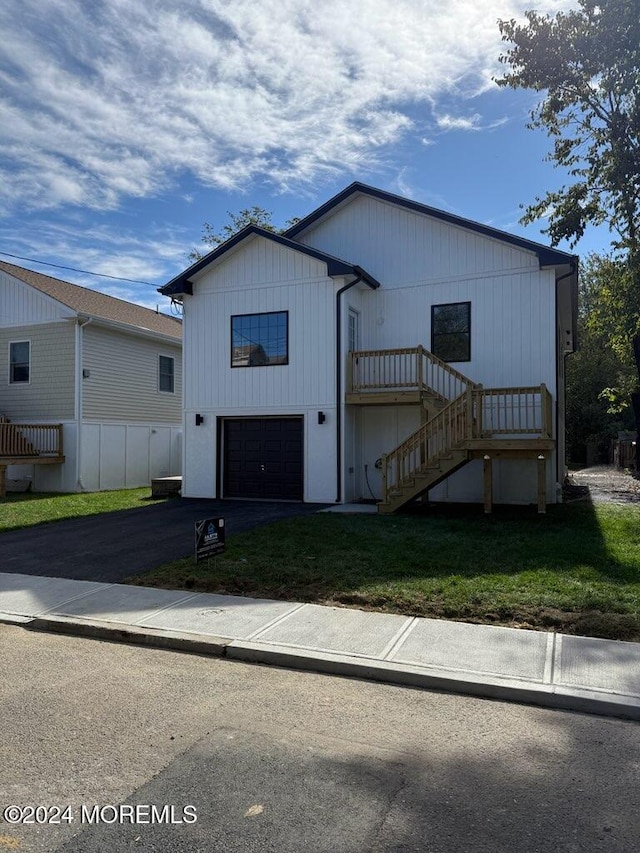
{"x":586,"y":64}
{"x":595,"y":411}
{"x":236,"y":222}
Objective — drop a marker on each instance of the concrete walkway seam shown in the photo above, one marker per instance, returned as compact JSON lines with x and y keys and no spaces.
{"x":545,"y":695}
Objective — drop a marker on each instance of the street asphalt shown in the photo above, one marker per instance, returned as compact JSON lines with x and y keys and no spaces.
{"x":276,"y":761}
{"x":112,"y":546}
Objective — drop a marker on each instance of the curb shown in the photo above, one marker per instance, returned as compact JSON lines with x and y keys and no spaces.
{"x":120,"y":632}
{"x":443,"y":681}
{"x":405,"y":675}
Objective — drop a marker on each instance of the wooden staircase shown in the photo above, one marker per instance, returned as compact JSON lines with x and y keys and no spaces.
{"x":431,"y":454}
{"x":462,"y":421}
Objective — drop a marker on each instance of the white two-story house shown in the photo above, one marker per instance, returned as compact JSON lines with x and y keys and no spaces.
{"x":379,"y":349}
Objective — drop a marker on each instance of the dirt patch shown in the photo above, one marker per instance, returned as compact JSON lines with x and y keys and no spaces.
{"x":603,"y":484}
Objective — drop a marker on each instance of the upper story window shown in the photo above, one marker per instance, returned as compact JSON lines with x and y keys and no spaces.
{"x":260,"y":339}
{"x":451,"y":331}
{"x":166,"y":373}
{"x":19,"y":361}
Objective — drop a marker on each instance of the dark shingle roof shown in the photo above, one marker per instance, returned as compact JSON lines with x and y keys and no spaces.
{"x":96,"y":304}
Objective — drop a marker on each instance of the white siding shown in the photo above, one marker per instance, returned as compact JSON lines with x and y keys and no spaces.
{"x":512,"y":324}
{"x":50,"y":392}
{"x":123,"y":378}
{"x":263,"y":277}
{"x":21,"y":304}
{"x":420,"y":261}
{"x":400,"y":247}
{"x":127,"y":455}
{"x":309,"y":378}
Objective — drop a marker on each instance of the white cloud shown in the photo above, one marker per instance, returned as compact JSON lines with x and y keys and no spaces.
{"x":473,"y":122}
{"x":117,"y":99}
{"x":151,"y":258}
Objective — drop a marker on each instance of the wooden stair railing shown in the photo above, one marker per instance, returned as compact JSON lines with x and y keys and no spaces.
{"x":429,"y":455}
{"x":441,"y":445}
{"x":404,"y":369}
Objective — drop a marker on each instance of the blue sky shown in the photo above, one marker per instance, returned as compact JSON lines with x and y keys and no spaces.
{"x":125,"y":126}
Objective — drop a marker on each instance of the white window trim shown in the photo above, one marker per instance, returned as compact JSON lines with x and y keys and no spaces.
{"x":173,"y":376}
{"x":9,"y":380}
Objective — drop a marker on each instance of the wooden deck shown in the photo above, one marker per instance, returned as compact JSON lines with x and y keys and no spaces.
{"x":466,"y":421}
{"x":28,"y":444}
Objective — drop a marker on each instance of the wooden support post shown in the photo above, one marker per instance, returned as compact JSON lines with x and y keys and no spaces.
{"x":542,"y":484}
{"x":488,"y":484}
{"x":3,"y":481}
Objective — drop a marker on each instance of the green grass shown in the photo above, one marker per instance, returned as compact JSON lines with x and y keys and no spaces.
{"x":577,"y":569}
{"x":25,"y":509}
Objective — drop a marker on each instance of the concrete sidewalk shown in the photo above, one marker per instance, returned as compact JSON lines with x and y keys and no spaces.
{"x":554,"y":670}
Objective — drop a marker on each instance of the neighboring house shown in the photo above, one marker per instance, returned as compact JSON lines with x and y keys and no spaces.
{"x":379,"y":348}
{"x":92,"y":386}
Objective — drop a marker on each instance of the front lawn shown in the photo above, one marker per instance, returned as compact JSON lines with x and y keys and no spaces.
{"x":576,"y":570}
{"x":24,"y":509}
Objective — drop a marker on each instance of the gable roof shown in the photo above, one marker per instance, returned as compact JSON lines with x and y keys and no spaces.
{"x":546,"y":255}
{"x":182,"y":284}
{"x":96,"y":304}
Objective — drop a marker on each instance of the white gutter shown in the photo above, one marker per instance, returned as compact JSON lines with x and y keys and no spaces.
{"x":78,"y":395}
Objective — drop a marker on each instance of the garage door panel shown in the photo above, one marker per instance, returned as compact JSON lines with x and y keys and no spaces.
{"x":263,"y":458}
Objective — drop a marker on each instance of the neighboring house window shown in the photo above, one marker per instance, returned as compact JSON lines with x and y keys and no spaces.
{"x":19,"y":361}
{"x":166,"y":373}
{"x":451,"y":331}
{"x":260,"y":339}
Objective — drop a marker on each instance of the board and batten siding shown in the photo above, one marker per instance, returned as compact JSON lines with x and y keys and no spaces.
{"x":262,"y":277}
{"x":399,"y":246}
{"x":291,"y":282}
{"x":422,"y":261}
{"x":513,"y":326}
{"x":49,"y":394}
{"x":122,"y":384}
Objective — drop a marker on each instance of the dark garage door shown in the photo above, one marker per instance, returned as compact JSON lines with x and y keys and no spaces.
{"x":263,"y":458}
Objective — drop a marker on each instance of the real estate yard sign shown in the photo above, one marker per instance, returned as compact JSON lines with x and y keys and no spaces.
{"x":210,"y":534}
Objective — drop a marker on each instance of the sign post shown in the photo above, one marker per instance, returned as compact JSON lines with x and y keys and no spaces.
{"x":210,"y":538}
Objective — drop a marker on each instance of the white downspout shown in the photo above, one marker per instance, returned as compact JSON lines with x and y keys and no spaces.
{"x":79,"y":403}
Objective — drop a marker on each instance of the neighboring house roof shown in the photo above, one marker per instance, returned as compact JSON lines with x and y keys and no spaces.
{"x":95,"y":304}
{"x":546,"y":255}
{"x":182,"y":284}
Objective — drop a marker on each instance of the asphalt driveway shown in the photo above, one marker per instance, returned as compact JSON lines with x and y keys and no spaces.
{"x":112,"y":546}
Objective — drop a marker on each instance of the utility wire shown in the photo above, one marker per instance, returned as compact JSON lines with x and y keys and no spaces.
{"x":74,"y":269}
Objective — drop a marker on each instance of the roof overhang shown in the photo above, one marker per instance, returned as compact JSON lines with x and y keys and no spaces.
{"x":547,"y":256}
{"x":183,"y":283}
{"x":126,"y":328}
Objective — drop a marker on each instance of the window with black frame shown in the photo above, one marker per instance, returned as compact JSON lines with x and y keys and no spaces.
{"x":19,"y":361}
{"x":451,"y":331}
{"x":259,"y":340}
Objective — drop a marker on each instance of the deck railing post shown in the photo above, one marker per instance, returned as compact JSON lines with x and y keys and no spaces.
{"x":479,"y":406}
{"x":545,"y":403}
{"x":60,"y":447}
{"x":384,"y":476}
{"x":469,"y":430}
{"x":420,"y":366}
